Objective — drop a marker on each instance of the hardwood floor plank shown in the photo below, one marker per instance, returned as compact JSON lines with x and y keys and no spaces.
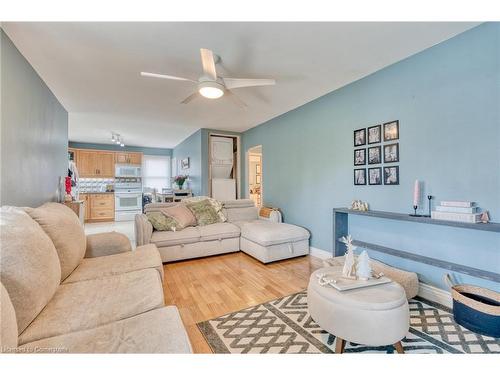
{"x":206,"y":288}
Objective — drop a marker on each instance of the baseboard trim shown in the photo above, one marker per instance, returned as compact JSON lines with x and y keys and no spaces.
{"x":319,"y":253}
{"x":434,"y":294}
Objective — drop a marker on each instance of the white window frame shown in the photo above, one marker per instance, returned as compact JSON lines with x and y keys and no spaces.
{"x":168,"y":173}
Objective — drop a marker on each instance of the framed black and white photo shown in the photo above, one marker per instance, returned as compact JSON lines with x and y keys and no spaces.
{"x":360,"y":156}
{"x":391,"y":175}
{"x":360,"y":137}
{"x":360,"y":177}
{"x":185,"y":163}
{"x":374,"y":134}
{"x":391,"y":153}
{"x":375,"y":176}
{"x":391,"y":130}
{"x":375,"y":155}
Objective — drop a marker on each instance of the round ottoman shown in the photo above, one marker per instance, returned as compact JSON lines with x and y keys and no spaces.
{"x":376,"y":315}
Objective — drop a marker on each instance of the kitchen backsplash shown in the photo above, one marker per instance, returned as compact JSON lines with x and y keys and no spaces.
{"x":96,"y":185}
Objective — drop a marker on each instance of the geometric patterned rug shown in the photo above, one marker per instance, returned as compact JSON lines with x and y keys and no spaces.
{"x":285,"y":326}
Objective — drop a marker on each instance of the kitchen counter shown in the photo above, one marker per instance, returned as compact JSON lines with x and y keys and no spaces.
{"x":97,"y":192}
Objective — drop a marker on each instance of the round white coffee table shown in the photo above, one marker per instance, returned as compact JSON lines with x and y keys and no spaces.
{"x":376,"y":315}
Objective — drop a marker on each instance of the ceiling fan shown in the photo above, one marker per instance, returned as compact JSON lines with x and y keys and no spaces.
{"x":212,"y":86}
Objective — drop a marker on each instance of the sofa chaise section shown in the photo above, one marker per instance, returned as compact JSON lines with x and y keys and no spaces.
{"x":244,"y":230}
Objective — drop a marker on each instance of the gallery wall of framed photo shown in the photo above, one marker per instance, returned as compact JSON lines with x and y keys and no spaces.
{"x":376,"y":150}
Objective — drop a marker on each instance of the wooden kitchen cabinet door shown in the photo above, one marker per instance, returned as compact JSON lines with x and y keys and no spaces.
{"x":86,"y":163}
{"x":86,"y":199}
{"x":135,"y":158}
{"x":121,"y":157}
{"x":106,"y":164}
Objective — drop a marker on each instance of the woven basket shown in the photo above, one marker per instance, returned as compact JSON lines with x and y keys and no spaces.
{"x":476,"y":308}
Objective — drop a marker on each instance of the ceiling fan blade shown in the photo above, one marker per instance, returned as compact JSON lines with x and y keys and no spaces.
{"x":235,"y":98}
{"x":155,"y":75}
{"x":233,"y":83}
{"x":190,"y":97}
{"x":208,"y":62}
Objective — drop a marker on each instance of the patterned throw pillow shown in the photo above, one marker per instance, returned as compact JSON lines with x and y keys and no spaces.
{"x":204,"y":212}
{"x":162,"y":222}
{"x":214,"y":202}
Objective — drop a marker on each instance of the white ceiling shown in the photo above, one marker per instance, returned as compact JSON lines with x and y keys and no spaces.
{"x":93,"y":69}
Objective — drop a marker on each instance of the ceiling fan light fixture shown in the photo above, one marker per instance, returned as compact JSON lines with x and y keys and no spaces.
{"x":211,"y":90}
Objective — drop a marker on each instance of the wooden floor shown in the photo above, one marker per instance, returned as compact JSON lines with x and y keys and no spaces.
{"x":206,"y":288}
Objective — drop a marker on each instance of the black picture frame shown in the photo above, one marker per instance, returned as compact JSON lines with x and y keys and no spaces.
{"x":388,"y":130}
{"x":360,"y":151}
{"x":378,"y":179}
{"x":391,"y":159}
{"x":374,"y":131}
{"x":394,"y":177}
{"x":357,"y":181}
{"x":361,"y":139}
{"x":378,"y":160}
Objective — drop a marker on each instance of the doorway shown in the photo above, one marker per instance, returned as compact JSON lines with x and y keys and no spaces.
{"x":223,"y":166}
{"x":255,"y":175}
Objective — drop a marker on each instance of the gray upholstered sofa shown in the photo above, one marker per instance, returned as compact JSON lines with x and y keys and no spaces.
{"x":244,"y":230}
{"x":62,"y":291}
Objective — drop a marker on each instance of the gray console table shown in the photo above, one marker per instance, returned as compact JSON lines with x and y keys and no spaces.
{"x":341,"y":228}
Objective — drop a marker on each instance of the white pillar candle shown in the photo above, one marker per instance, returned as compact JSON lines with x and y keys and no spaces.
{"x":416,"y":193}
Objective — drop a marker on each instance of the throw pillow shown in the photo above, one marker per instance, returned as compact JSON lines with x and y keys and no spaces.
{"x":204,"y":212}
{"x":181,"y":214}
{"x":162,"y":222}
{"x":214,"y":202}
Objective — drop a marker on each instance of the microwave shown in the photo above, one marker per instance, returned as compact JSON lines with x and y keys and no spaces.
{"x":127,"y":170}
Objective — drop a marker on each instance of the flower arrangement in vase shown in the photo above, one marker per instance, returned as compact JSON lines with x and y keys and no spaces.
{"x":180,"y":180}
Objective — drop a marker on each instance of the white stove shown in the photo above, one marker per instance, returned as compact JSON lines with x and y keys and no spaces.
{"x":128,"y":198}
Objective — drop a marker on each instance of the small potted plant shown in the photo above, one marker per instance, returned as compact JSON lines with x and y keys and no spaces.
{"x":180,"y":180}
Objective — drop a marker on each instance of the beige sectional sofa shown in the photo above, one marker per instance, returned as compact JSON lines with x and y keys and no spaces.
{"x":244,"y":230}
{"x":62,"y":291}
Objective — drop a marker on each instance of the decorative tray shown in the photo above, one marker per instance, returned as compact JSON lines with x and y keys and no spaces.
{"x":340,"y":283}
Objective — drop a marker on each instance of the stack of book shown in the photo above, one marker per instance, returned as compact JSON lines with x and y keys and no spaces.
{"x":462,"y":211}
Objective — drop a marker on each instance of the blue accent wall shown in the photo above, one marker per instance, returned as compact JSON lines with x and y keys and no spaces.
{"x":34,"y":133}
{"x":447,"y":101}
{"x":109,"y":147}
{"x":191,"y":148}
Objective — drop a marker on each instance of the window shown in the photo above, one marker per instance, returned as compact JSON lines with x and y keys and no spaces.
{"x":156,"y":172}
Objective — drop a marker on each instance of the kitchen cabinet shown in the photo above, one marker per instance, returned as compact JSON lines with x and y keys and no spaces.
{"x":128,"y":158}
{"x":95,"y":163}
{"x":86,"y":202}
{"x":99,"y":207}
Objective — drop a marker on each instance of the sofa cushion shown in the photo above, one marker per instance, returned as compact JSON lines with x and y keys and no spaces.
{"x":214,"y":202}
{"x":106,"y":243}
{"x":204,"y":212}
{"x":66,"y":232}
{"x":143,"y":257}
{"x":185,"y":236}
{"x":241,"y":213}
{"x":162,"y":222}
{"x":30,"y":269}
{"x":219,"y":231}
{"x":91,"y":303}
{"x":156,"y":331}
{"x":8,"y":323}
{"x":268,"y":233}
{"x":181,"y":214}
{"x":238,"y":203}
